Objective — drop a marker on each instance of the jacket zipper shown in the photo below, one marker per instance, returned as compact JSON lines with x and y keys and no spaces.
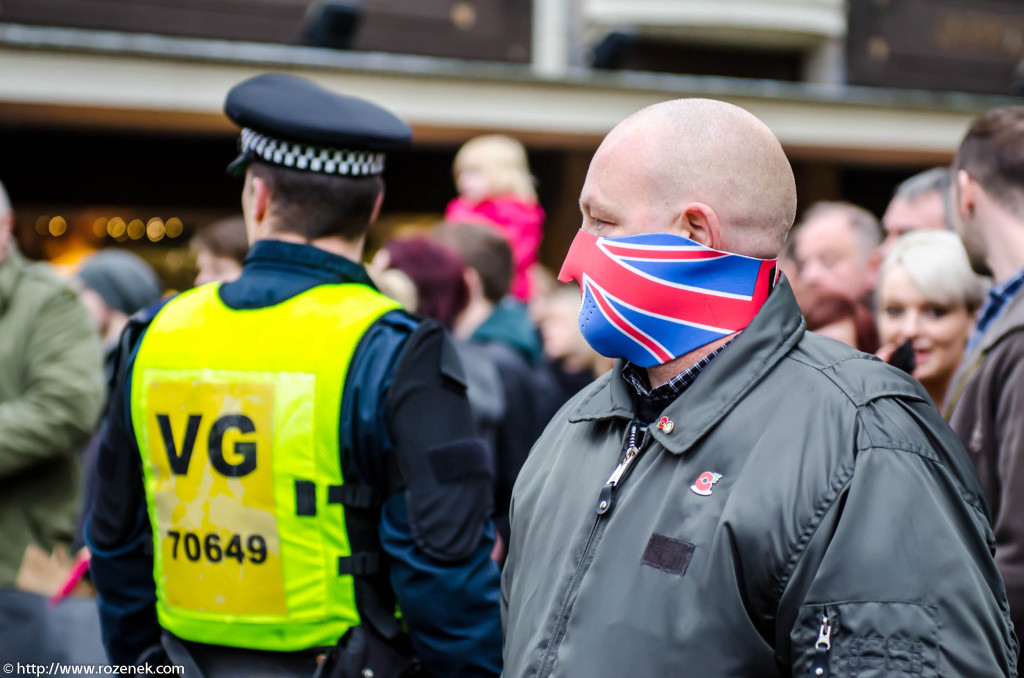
{"x":820,"y":669}
{"x":604,"y":507}
{"x":606,"y":501}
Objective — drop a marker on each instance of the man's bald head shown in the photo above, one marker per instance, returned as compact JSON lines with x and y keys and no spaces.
{"x":702,"y":151}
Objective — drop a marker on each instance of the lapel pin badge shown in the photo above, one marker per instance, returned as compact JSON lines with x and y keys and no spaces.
{"x":666,"y":425}
{"x":704,"y":481}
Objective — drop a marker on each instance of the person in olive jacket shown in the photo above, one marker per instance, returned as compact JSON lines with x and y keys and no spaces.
{"x":51,"y":392}
{"x":737,"y":497}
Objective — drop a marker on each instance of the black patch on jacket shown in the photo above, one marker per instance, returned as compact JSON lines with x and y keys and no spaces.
{"x":460,"y":460}
{"x":668,"y":554}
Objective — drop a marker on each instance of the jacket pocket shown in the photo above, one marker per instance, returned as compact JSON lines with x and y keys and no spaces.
{"x":865,"y":640}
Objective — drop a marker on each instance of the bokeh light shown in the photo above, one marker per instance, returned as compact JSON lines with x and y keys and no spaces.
{"x":116,"y":228}
{"x":99,"y":227}
{"x":155,"y":229}
{"x":174,"y":227}
{"x":136,"y":229}
{"x":57,"y":226}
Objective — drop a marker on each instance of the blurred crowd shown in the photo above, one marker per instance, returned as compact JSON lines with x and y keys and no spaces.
{"x":903,"y":288}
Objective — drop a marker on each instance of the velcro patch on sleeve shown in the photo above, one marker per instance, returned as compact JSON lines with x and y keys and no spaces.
{"x":668,"y":554}
{"x":460,"y":460}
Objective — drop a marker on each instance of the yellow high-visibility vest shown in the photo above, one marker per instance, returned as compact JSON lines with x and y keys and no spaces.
{"x":236,"y":414}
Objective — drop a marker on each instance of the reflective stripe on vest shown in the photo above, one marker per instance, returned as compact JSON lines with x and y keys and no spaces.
{"x":236,"y":413}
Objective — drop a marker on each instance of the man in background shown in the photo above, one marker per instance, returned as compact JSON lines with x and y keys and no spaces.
{"x":919,"y":203}
{"x":51,"y":392}
{"x":985,"y":402}
{"x":113,"y":285}
{"x":832,"y":249}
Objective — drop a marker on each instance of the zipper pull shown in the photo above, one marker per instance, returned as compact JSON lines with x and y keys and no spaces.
{"x":605,"y":501}
{"x":822,"y":647}
{"x":626,"y":462}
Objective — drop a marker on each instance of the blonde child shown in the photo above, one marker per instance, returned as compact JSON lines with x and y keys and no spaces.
{"x":495,"y":188}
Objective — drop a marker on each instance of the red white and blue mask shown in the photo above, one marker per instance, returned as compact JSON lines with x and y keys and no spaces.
{"x":652,"y":297}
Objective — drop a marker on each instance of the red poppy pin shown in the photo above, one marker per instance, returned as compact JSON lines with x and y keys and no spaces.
{"x":704,"y":482}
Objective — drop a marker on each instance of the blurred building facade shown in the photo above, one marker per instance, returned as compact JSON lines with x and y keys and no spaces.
{"x":111,"y":124}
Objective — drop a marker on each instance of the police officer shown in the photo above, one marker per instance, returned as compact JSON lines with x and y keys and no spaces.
{"x":290,"y":461}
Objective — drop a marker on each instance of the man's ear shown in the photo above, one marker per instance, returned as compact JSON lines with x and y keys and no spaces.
{"x":473,"y":282}
{"x":260,"y":196}
{"x":255,"y":203}
{"x":699,"y":223}
{"x":377,"y":205}
{"x":966,"y":195}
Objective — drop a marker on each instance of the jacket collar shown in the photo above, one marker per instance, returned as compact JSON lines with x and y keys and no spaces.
{"x":775,"y":330}
{"x":325,"y":267}
{"x":1011,"y":319}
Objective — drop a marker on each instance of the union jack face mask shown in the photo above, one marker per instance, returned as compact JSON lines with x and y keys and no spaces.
{"x":652,"y":297}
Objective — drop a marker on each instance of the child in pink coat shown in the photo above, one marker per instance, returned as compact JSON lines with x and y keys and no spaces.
{"x":495,"y":188}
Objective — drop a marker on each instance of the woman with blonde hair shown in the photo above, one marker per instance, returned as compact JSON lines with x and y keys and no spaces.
{"x":495,"y":188}
{"x":927,"y":298}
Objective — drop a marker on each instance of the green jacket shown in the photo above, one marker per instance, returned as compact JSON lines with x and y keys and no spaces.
{"x":51,"y":393}
{"x":807,"y":508}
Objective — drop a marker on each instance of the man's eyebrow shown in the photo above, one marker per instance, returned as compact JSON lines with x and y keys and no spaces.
{"x":587,"y":206}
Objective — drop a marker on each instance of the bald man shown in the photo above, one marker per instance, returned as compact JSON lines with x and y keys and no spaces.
{"x":832,"y":248}
{"x":737,"y":497}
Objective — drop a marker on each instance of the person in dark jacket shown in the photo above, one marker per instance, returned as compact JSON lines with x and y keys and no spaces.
{"x":436,"y":271}
{"x":113,"y":285}
{"x":289,"y":465}
{"x":985,"y":402}
{"x":737,"y":497}
{"x":500,"y":327}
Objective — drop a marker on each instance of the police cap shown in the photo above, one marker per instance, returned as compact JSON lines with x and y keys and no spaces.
{"x":293,"y":122}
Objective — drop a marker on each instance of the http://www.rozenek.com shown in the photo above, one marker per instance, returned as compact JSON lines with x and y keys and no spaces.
{"x":61,"y":669}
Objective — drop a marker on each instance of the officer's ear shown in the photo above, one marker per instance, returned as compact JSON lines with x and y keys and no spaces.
{"x":379,"y":201}
{"x":260,"y":196}
{"x":376,"y":207}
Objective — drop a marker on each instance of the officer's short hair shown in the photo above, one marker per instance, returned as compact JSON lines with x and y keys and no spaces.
{"x":315,"y":205}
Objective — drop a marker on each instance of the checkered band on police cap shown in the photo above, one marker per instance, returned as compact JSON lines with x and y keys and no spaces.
{"x":310,"y":158}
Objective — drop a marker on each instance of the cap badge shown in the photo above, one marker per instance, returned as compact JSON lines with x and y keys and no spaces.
{"x":704,"y":481}
{"x":666,"y":425}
